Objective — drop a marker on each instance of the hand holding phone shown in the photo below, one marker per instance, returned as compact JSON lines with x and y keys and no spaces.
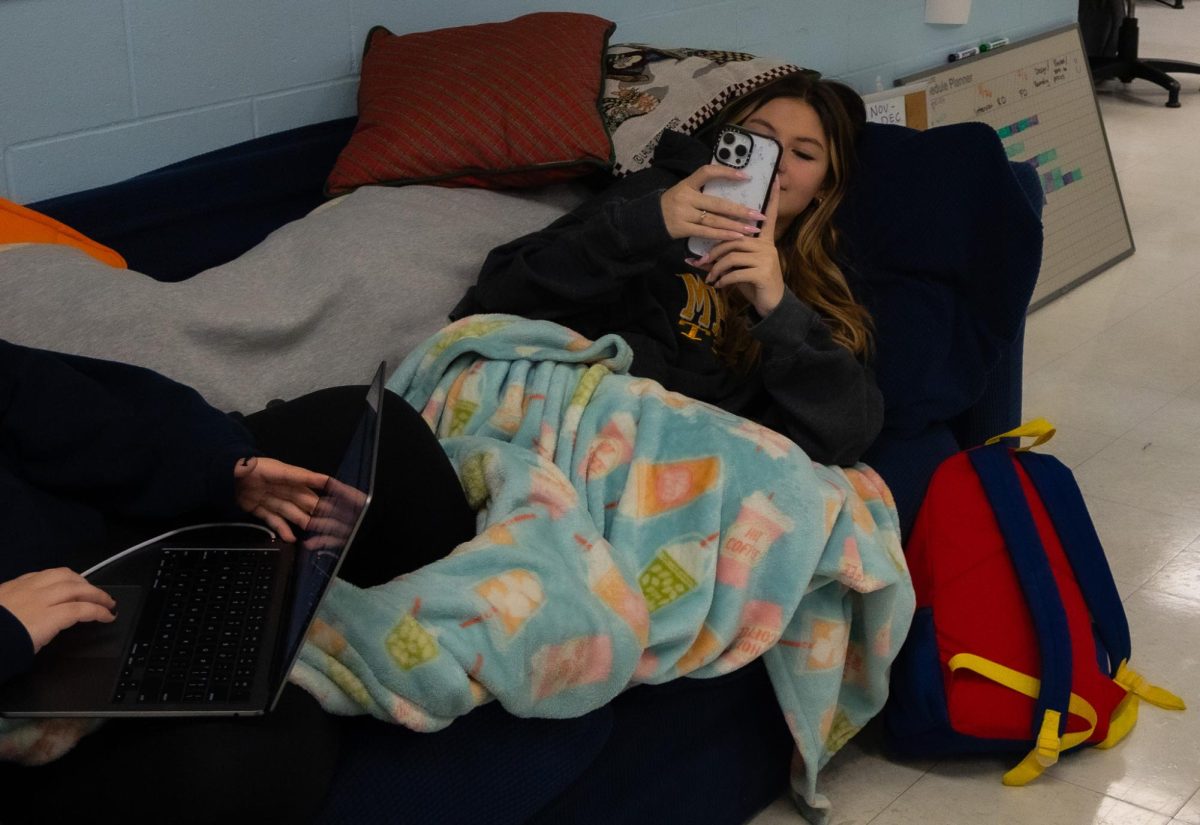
{"x":757,"y":157}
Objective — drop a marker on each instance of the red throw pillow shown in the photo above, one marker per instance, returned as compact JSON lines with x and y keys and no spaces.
{"x":497,"y":105}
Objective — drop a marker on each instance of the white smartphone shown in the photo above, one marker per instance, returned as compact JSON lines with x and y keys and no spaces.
{"x":757,"y":156}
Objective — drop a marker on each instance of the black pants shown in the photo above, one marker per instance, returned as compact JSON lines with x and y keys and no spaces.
{"x":418,"y":513}
{"x":274,"y":768}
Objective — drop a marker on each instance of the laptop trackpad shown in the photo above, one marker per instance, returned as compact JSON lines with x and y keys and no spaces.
{"x":97,"y":640}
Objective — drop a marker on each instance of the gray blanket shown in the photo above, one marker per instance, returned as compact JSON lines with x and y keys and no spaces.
{"x":318,"y":303}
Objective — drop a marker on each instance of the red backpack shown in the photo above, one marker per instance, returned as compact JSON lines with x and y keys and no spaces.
{"x":1020,"y":640}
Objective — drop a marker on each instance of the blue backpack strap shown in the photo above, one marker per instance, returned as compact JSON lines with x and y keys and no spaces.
{"x":1056,"y":485}
{"x":1003,"y":489}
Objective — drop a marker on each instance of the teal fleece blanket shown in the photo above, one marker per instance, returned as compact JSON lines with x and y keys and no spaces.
{"x":626,"y":535}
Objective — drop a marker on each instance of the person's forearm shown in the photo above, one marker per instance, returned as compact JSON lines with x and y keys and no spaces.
{"x":822,"y":397}
{"x":16,"y":647}
{"x":578,"y":263}
{"x":125,"y":438}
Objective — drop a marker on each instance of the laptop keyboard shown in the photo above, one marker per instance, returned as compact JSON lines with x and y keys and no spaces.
{"x":199,"y":637}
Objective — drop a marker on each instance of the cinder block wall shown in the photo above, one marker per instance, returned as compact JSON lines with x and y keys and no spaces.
{"x":95,"y":91}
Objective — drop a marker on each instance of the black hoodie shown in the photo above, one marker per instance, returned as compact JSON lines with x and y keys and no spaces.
{"x":610,"y":266}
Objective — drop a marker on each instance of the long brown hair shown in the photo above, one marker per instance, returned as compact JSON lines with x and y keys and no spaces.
{"x":808,"y":248}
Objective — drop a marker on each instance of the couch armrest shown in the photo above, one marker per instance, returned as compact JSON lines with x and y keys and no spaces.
{"x":173,"y":222}
{"x":998,"y":410}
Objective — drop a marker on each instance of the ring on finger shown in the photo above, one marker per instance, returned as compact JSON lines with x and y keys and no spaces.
{"x":703,"y":215}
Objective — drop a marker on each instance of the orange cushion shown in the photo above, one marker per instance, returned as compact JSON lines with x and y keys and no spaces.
{"x":496,"y":105}
{"x":19,"y":224}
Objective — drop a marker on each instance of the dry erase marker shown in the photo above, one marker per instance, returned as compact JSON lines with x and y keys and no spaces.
{"x":988,"y":45}
{"x":963,"y":53}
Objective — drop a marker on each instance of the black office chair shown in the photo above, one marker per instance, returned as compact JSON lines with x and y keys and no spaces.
{"x":1096,"y":21}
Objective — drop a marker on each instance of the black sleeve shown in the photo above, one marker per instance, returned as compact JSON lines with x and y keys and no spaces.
{"x":823,"y":397}
{"x":16,"y":647}
{"x":579,"y":264}
{"x":123,"y":438}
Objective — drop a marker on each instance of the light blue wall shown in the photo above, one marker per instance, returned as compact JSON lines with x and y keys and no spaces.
{"x":94,"y":91}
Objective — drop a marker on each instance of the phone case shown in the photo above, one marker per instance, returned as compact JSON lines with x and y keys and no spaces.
{"x":757,"y":156}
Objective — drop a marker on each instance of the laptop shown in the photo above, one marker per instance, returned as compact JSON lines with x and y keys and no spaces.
{"x":210,"y":625}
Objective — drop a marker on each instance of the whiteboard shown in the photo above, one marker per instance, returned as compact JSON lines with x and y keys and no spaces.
{"x":1038,"y":96}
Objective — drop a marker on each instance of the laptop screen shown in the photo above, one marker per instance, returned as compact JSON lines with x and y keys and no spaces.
{"x":338,"y":514}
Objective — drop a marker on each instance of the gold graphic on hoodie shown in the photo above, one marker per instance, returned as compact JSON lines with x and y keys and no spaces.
{"x":704,"y":313}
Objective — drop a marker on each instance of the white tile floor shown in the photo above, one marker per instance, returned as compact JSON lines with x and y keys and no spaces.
{"x":1115,"y":364}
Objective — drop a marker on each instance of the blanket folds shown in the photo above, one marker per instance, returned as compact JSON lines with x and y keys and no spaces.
{"x":626,"y":535}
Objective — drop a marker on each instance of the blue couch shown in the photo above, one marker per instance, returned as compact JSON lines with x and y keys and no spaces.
{"x":944,"y":240}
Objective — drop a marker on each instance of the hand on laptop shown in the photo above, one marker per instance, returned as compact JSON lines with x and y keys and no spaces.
{"x":335,"y":517}
{"x":49,"y":601}
{"x":277,"y":493}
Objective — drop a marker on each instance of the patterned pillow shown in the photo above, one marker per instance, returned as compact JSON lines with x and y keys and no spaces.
{"x":496,"y":105}
{"x":650,"y":88}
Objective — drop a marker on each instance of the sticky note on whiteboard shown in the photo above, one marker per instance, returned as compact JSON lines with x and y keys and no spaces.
{"x":901,"y":106}
{"x":890,"y":111}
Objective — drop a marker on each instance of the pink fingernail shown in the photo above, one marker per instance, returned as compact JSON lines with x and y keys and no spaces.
{"x":751,"y":230}
{"x":758,"y":216}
